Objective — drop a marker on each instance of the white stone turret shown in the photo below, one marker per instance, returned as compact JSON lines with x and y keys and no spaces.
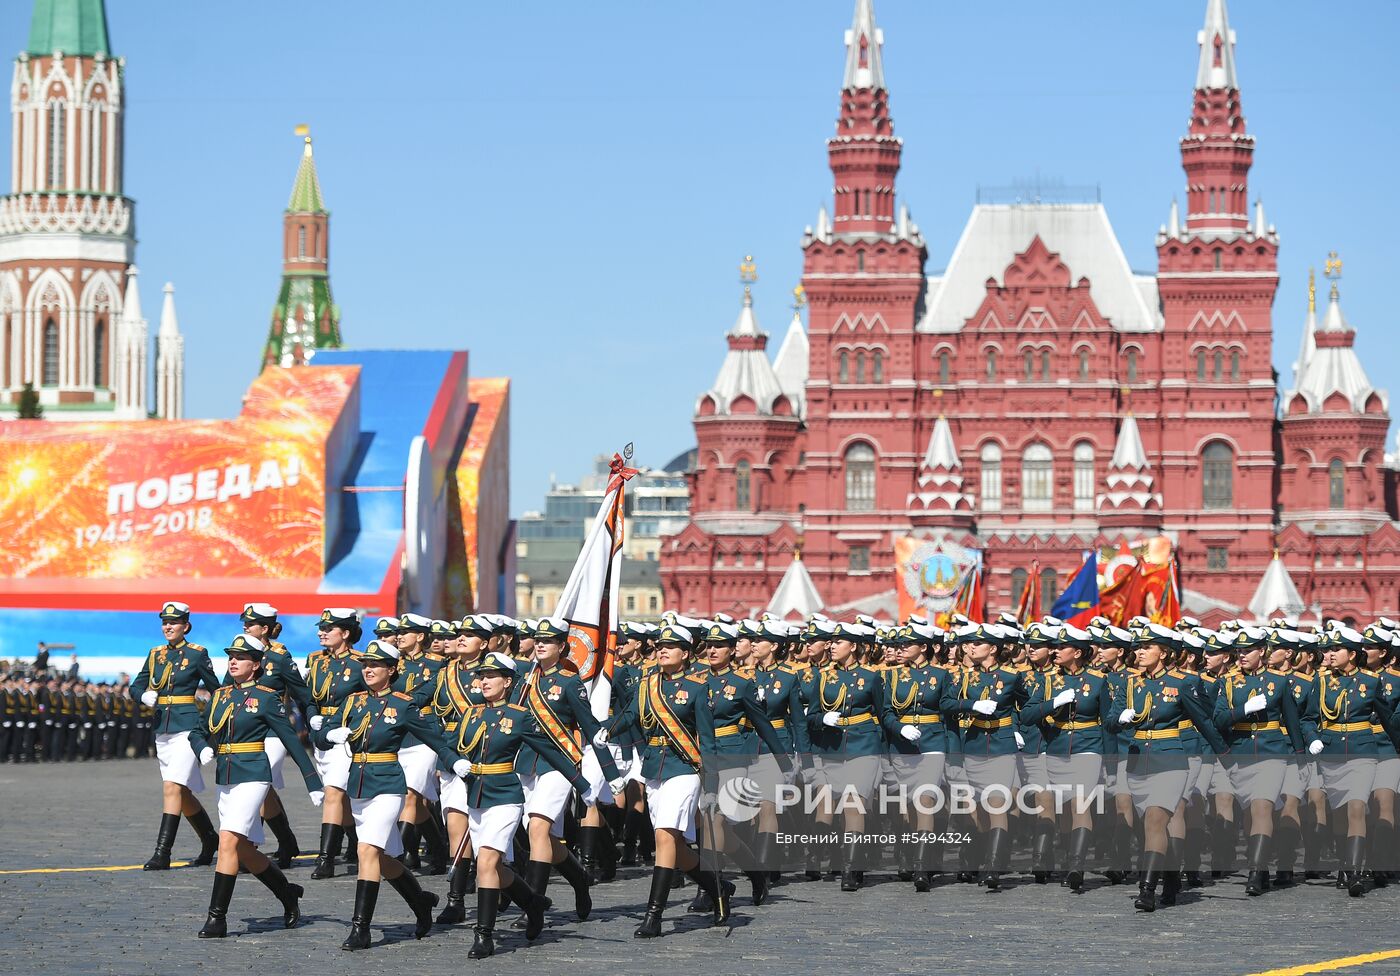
{"x":1330,"y":366}
{"x":130,"y":344}
{"x":865,"y":66}
{"x":746,"y":382}
{"x":796,"y":596}
{"x":170,"y":362}
{"x":1131,"y":499}
{"x":1276,"y":595}
{"x":791,"y":363}
{"x":938,"y":487}
{"x":1217,"y":41}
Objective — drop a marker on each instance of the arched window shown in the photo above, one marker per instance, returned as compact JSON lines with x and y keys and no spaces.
{"x":1132,"y":365}
{"x":943,"y":367}
{"x":99,"y":126}
{"x":1083,"y":364}
{"x":50,"y":353}
{"x":860,"y":260}
{"x":301,"y":242}
{"x":844,"y":370}
{"x":1217,"y":365}
{"x":991,"y":364}
{"x":99,"y":354}
{"x":58,"y":143}
{"x":1235,"y":366}
{"x":877,"y":367}
{"x":1218,"y":253}
{"x":1045,"y":364}
{"x":1083,"y":476}
{"x":1030,"y":365}
{"x":1217,"y":476}
{"x":1336,"y":484}
{"x":1200,"y":364}
{"x":860,"y":478}
{"x":742,"y":473}
{"x":1049,"y":588}
{"x":1018,"y":587}
{"x":1037,"y":478}
{"x":860,"y":367}
{"x":991,"y":477}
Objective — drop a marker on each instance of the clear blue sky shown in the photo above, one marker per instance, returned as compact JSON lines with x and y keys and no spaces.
{"x":566,"y":189}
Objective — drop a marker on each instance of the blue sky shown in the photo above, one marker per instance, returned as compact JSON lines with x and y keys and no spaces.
{"x":566,"y":189}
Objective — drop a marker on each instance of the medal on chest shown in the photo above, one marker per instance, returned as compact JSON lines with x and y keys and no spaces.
{"x":251,"y":706}
{"x":505,"y":725}
{"x":681,"y":696}
{"x":728,"y":692}
{"x":390,"y":715}
{"x":553,"y":693}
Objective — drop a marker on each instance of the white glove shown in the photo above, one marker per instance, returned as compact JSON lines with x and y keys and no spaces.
{"x":911,"y":732}
{"x":1063,"y":698}
{"x":831,"y":718}
{"x":206,"y":756}
{"x":793,"y":771}
{"x":618,"y":786}
{"x":462,"y":768}
{"x":600,"y":739}
{"x":317,"y":797}
{"x":761,"y":693}
{"x":148,"y":698}
{"x":338,"y":735}
{"x":708,"y":802}
{"x":316,"y":721}
{"x":1127,"y":715}
{"x":984,"y":706}
{"x":1314,"y":747}
{"x":594,"y":793}
{"x":1256,"y":703}
{"x":1020,"y":742}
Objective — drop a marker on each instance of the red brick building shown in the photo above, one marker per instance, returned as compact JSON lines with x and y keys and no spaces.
{"x":1038,"y":398}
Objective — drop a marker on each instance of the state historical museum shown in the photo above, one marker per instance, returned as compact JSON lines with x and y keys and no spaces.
{"x":1038,"y":398}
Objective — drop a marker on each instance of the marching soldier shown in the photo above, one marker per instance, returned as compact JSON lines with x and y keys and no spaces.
{"x":626,"y":744}
{"x":417,"y":677}
{"x":233,"y":734}
{"x":371,"y":726}
{"x":332,"y":675}
{"x":166,"y":683}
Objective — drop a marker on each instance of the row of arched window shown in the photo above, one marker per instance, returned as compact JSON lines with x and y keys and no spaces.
{"x":1037,"y":365}
{"x":875,"y":359}
{"x":49,"y":374}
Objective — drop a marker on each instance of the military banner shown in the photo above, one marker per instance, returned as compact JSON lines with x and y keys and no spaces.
{"x":930,"y":574}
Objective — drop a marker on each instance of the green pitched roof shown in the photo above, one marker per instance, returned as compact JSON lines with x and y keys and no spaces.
{"x":70,"y":26}
{"x":306,"y":191}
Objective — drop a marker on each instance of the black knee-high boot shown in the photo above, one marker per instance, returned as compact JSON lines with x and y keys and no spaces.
{"x":719,"y":891}
{"x":432,"y":834}
{"x":408,"y":833}
{"x":1355,"y":858}
{"x":287,"y":849}
{"x":488,"y":903}
{"x":421,"y":902}
{"x":1171,"y":872}
{"x":1149,"y":875}
{"x":634,"y":825}
{"x":1195,"y":843}
{"x":366,"y":895}
{"x":1258,"y":854}
{"x":998,"y":857}
{"x":589,"y":854}
{"x":287,"y":893}
{"x":352,"y":845}
{"x":656,"y":903}
{"x":1286,"y":837}
{"x":536,"y":879}
{"x":165,"y":840}
{"x":1078,"y":851}
{"x":216,"y":925}
{"x":331,"y":837}
{"x":572,"y":871}
{"x":455,"y":911}
{"x":1042,"y":850}
{"x":208,"y":838}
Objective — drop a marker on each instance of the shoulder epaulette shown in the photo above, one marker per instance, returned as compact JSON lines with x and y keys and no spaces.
{"x":400,"y":694}
{"x":518,"y":708}
{"x":197,"y":647}
{"x":273,"y":691}
{"x":699,"y":679}
{"x":1176,"y":672}
{"x":1095,"y":672}
{"x":1369,"y":673}
{"x":434,"y":656}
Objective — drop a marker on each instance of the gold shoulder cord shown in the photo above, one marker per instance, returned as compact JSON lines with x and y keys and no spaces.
{"x":476,"y":740}
{"x":901,"y":705}
{"x":317,"y":666}
{"x":834,"y":705}
{"x":647,"y":709}
{"x":1333,"y":713}
{"x":1146,"y":701}
{"x":163,"y":682}
{"x":218,"y":722}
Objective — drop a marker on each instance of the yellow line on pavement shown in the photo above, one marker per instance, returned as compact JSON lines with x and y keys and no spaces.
{"x":1330,"y":965}
{"x":114,"y":867}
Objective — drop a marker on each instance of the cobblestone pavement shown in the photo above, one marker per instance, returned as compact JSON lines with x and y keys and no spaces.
{"x":126,"y":921}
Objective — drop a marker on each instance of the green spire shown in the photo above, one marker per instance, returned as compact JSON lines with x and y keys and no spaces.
{"x":306,"y":191}
{"x":70,"y":26}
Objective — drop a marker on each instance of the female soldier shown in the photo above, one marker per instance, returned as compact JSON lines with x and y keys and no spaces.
{"x":167,"y":683}
{"x":333,"y":674}
{"x":1039,"y":641}
{"x":1153,"y":704}
{"x":987,"y":693}
{"x":279,"y":672}
{"x":670,"y":705}
{"x":1342,"y":709}
{"x":626,"y":744}
{"x":1071,"y":710}
{"x":418,"y":671}
{"x":241,"y":718}
{"x":491,"y":737}
{"x":457,"y":694}
{"x":778,"y":692}
{"x":846,"y":718}
{"x":1380,"y":659}
{"x":371,"y":726}
{"x":1258,"y":716}
{"x":919,"y":738}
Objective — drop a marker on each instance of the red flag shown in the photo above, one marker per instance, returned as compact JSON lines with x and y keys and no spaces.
{"x":1168,"y":612}
{"x":1028,"y":609}
{"x":971,"y":598}
{"x":1113,"y":598}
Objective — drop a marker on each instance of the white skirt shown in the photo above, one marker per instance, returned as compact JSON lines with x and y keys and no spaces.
{"x":1347,"y":779}
{"x":1387,"y":774}
{"x":454,"y":793}
{"x":1160,"y":788}
{"x":1030,"y":769}
{"x":1220,"y":783}
{"x":851,"y":776}
{"x":333,"y":765}
{"x":1293,"y":779}
{"x":419,"y":765}
{"x":1193,"y":774}
{"x":672,"y":803}
{"x":629,"y":765}
{"x":1257,"y":779}
{"x":1201,"y":787}
{"x":178,"y":762}
{"x":985,"y":771}
{"x":377,"y":822}
{"x":276,"y":755}
{"x":494,"y":827}
{"x":239,"y":807}
{"x":546,"y":795}
{"x":1081,"y":771}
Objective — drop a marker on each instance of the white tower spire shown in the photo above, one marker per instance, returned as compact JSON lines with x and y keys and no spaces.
{"x":865,"y":67}
{"x":1217,"y":41}
{"x":132,"y":340}
{"x":170,"y":362}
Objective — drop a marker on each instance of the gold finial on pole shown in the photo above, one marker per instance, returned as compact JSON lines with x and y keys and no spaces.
{"x":799,"y":298}
{"x":748,"y":274}
{"x":1333,"y":270}
{"x":1312,"y":290}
